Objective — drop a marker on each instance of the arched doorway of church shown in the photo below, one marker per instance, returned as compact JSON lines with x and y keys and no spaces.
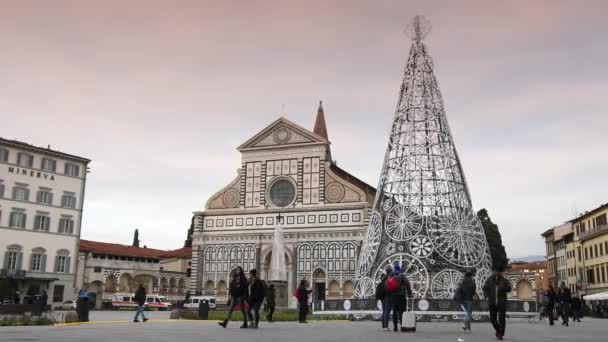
{"x":319,"y":284}
{"x":524,"y":290}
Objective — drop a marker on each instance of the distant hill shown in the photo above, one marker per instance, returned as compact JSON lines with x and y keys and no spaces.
{"x":530,"y":258}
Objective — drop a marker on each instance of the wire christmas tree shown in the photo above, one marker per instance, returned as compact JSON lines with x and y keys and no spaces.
{"x":422,"y":216}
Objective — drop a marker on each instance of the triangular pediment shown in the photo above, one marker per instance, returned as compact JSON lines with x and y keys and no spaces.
{"x":282,"y":132}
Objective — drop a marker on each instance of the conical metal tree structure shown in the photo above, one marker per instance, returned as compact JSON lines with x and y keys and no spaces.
{"x":422,"y":216}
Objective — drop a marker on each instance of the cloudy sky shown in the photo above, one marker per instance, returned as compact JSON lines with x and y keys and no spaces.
{"x":160,"y":93}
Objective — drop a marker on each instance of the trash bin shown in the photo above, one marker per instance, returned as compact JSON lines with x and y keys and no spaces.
{"x":82,"y":309}
{"x":203,"y":309}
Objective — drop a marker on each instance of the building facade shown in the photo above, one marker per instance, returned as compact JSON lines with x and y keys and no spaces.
{"x":551,"y":270}
{"x":41,"y":202}
{"x":591,"y":245}
{"x":286,"y":175}
{"x":107,"y":268}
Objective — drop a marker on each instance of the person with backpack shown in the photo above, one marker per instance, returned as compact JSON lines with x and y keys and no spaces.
{"x":404,"y":291}
{"x":238,"y":293}
{"x":256,"y":294}
{"x":140,"y":299}
{"x":387,"y":302}
{"x":464,"y":296}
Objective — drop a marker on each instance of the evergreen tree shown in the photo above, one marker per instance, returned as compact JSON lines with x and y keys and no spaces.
{"x":188,"y":242}
{"x":136,"y":238}
{"x":497,"y":250}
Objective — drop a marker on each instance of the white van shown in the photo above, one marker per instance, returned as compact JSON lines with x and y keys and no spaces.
{"x":194,"y":301}
{"x":153,"y":301}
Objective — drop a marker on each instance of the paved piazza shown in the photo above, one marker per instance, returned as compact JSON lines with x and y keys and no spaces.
{"x":161,"y":329}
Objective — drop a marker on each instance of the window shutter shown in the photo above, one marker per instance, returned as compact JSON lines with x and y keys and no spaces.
{"x":71,"y":225}
{"x":5,"y":261}
{"x":39,"y":196}
{"x":19,"y":158}
{"x":56,"y":263}
{"x":63,"y":200}
{"x":50,"y":198}
{"x":32,"y":261}
{"x":27,"y":194}
{"x":68,"y":261}
{"x":14,"y":192}
{"x":24,"y":221}
{"x":37,"y":222}
{"x":19,"y":260}
{"x":43,"y":263}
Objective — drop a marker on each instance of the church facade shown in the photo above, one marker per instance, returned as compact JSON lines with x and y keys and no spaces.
{"x":286,"y":175}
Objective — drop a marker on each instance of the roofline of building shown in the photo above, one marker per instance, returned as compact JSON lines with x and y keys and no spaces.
{"x":547,"y":232}
{"x":43,"y":150}
{"x":589,"y":213}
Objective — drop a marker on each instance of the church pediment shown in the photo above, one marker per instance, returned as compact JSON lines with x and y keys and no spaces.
{"x":282,"y":132}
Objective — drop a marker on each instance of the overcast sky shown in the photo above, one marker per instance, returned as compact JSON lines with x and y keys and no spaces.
{"x":160,"y":93}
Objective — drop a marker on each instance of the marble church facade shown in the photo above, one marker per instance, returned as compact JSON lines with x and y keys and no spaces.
{"x":286,"y":173}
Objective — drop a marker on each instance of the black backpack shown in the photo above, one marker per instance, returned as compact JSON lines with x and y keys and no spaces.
{"x":381,"y":290}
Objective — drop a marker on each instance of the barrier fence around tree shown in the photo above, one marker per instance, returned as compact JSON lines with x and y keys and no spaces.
{"x":426,"y":309}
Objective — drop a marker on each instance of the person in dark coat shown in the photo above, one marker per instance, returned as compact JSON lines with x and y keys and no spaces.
{"x":140,"y":299}
{"x":256,"y":294}
{"x":549,"y":298}
{"x":400,"y":299}
{"x":302,"y":295}
{"x":384,"y":296}
{"x":464,"y":296}
{"x":270,"y":302}
{"x":238,"y":293}
{"x":577,"y":309}
{"x":495,"y":290}
{"x":564,"y":298}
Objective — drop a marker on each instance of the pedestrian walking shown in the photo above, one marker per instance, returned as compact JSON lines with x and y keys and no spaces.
{"x":256,"y":294}
{"x":548,"y":302}
{"x":400,"y":299}
{"x":382,"y":295}
{"x":464,"y":296}
{"x":495,"y":290}
{"x":140,"y":299}
{"x":564,"y":298}
{"x":577,"y":309}
{"x":270,"y":302}
{"x":302,"y":295}
{"x":238,"y":292}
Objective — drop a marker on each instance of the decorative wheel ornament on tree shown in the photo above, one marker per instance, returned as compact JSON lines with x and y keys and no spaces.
{"x":370,"y":245}
{"x":364,"y":288}
{"x":402,"y":223}
{"x":483,"y":273}
{"x":413,"y":268}
{"x":421,"y":246}
{"x":459,"y":238}
{"x":445,"y":284}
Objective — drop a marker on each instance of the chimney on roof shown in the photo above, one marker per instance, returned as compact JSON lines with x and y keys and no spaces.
{"x":320,"y":127}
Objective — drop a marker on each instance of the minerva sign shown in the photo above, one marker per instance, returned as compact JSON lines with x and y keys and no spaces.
{"x":31,"y":173}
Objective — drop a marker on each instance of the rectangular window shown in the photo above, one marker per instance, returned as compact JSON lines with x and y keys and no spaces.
{"x":72,"y":170}
{"x":68,"y":201}
{"x":3,"y":155}
{"x":61,"y":264}
{"x":17,"y":220}
{"x":21,"y":193}
{"x":11,"y":260}
{"x":48,"y":164}
{"x":45,"y":197}
{"x":1,"y":190}
{"x":42,"y":222}
{"x":58,"y":294}
{"x":586,"y":254}
{"x":25,"y":159}
{"x":596,"y":251}
{"x":36,"y":262}
{"x":601,"y":220}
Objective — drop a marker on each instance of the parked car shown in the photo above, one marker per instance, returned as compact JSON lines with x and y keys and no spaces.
{"x":127,"y":300}
{"x":194,"y":301}
{"x":67,"y":305}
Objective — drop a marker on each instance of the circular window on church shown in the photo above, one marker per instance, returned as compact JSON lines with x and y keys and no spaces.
{"x":282,"y":193}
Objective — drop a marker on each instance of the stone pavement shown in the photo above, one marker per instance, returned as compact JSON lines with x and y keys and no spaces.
{"x":166,"y":330}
